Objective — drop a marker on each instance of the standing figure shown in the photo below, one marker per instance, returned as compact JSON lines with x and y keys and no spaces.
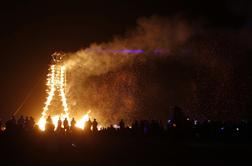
{"x":31,"y":123}
{"x":59,"y":126}
{"x":95,"y":124}
{"x":88,"y":125}
{"x":73,"y":122}
{"x":121,"y":124}
{"x":49,"y":124}
{"x":66,"y":125}
{"x":21,"y":121}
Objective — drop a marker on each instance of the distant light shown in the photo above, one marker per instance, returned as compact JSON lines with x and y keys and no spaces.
{"x":195,"y":122}
{"x":174,"y":125}
{"x":222,"y":128}
{"x":237,"y":129}
{"x":169,"y":121}
{"x":208,"y":121}
{"x":128,"y":51}
{"x":116,"y":126}
{"x":187,"y":119}
{"x":2,"y":128}
{"x":99,"y":127}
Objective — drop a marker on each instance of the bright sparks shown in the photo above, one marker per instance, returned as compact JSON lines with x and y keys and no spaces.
{"x":56,"y":83}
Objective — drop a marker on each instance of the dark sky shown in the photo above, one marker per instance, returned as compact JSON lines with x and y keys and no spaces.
{"x":31,"y":31}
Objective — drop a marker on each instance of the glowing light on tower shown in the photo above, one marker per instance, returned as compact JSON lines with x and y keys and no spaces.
{"x":56,"y":83}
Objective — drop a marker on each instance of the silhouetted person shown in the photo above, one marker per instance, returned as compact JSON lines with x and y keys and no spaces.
{"x":121,"y":124}
{"x":178,"y":116}
{"x":31,"y":123}
{"x":26,"y":121}
{"x":13,"y":120}
{"x":95,"y":125}
{"x":65,"y":124}
{"x":59,"y":126}
{"x":111,"y":130}
{"x":88,"y":125}
{"x":49,"y":124}
{"x":135,"y":127}
{"x":73,"y":122}
{"x":21,"y":121}
{"x":11,"y":124}
{"x":49,"y":120}
{"x":179,"y":123}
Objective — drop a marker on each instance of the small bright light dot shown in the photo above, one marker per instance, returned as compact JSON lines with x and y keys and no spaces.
{"x":237,"y":129}
{"x":187,"y":119}
{"x":174,"y":125}
{"x":169,"y":121}
{"x":222,"y":128}
{"x":116,"y":126}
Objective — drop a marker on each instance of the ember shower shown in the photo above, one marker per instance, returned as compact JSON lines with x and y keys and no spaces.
{"x":162,"y":63}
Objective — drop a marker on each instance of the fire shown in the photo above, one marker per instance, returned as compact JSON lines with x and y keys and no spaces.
{"x":56,"y":83}
{"x":82,"y":121}
{"x":79,"y":124}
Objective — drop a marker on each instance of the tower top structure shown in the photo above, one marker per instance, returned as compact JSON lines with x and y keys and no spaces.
{"x":58,"y":57}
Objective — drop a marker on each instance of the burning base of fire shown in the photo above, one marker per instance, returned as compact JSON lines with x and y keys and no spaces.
{"x":79,"y":123}
{"x":56,"y":84}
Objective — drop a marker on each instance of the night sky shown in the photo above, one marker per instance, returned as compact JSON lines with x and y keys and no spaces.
{"x":31,"y":31}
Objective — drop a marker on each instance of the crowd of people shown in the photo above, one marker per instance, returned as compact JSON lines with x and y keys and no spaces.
{"x":65,"y":126}
{"x":179,"y":127}
{"x":144,"y":141}
{"x":29,"y":124}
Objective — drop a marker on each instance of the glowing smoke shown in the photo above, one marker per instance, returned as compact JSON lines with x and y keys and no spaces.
{"x":141,"y":75}
{"x":94,"y":78}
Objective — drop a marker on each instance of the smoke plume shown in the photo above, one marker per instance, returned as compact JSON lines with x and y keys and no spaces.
{"x":162,"y":63}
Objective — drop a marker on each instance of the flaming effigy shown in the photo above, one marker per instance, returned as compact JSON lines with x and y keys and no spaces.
{"x":56,"y":102}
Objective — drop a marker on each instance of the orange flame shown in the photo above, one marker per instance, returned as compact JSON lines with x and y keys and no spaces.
{"x":56,"y":83}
